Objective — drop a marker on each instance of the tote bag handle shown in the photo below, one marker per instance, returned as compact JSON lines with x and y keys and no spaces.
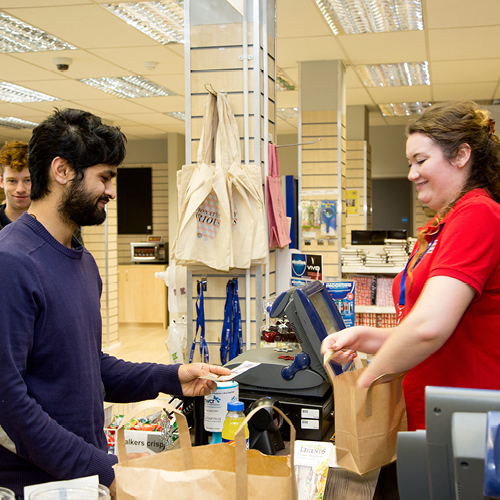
{"x":209,"y":130}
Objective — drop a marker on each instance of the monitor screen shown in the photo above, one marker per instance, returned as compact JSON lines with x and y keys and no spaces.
{"x":325,"y":313}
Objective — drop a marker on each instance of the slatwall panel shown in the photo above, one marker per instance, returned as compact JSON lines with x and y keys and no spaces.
{"x":358,"y":176}
{"x":215,"y":298}
{"x":159,"y":172}
{"x":320,"y":180}
{"x":94,"y":238}
{"x":215,"y":52}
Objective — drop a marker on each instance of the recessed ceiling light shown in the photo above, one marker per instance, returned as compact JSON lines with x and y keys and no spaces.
{"x":394,"y":75}
{"x":288,"y":113}
{"x":16,"y":123}
{"x":15,"y":93}
{"x":129,"y":87}
{"x":162,"y":21}
{"x":17,"y":36}
{"x":283,"y":81}
{"x":403,"y":108}
{"x":347,"y":17}
{"x":177,"y":114}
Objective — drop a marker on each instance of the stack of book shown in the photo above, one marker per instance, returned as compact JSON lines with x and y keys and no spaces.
{"x":364,"y":290}
{"x":396,"y":252}
{"x":373,"y":259}
{"x":352,"y":256}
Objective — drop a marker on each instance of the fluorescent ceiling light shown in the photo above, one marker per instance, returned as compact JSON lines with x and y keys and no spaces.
{"x":128,"y":87}
{"x":283,"y":81}
{"x":177,"y":114}
{"x":14,"y":93}
{"x":394,"y":75}
{"x":16,"y":123}
{"x":288,"y":113}
{"x":347,"y":17}
{"x":162,"y":21}
{"x":403,"y":108}
{"x":17,"y":36}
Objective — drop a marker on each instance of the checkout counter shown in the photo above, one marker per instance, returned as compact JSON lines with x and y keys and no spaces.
{"x":301,"y":386}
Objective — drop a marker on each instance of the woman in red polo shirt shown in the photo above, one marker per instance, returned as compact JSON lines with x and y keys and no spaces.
{"x":448,"y":297}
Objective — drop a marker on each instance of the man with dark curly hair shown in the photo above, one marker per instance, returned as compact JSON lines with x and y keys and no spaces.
{"x":15,"y":181}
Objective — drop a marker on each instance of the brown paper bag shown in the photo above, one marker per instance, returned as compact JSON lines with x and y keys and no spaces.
{"x":211,"y":472}
{"x":367,"y":421}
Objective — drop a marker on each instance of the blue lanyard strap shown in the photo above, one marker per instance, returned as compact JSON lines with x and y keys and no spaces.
{"x":200,"y":325}
{"x":402,"y":285}
{"x":232,"y":335}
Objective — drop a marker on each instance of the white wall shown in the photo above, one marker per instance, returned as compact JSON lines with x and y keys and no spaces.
{"x":388,"y":145}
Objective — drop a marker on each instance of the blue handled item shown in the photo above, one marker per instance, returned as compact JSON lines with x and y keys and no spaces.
{"x":200,"y":324}
{"x":232,"y":335}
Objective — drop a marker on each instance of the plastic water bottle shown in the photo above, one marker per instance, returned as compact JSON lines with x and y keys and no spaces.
{"x":232,"y":422}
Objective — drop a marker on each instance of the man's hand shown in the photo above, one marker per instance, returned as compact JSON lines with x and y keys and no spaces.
{"x":192,"y":385}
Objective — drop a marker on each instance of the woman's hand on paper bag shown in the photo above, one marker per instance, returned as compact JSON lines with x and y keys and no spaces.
{"x":192,"y":384}
{"x":344,"y":345}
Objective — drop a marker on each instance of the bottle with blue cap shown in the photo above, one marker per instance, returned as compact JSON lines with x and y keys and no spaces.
{"x":234,"y":417}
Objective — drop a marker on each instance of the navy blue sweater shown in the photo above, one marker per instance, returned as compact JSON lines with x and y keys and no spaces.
{"x":52,"y":369}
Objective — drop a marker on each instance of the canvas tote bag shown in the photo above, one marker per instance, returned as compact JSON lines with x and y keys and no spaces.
{"x":211,"y":472}
{"x":279,"y":234}
{"x":367,"y":421}
{"x":249,"y":242}
{"x":204,"y":229}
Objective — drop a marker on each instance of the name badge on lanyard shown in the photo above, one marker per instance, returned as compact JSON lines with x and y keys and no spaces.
{"x":402,"y":285}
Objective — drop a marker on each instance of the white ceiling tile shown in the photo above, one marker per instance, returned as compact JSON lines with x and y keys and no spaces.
{"x":464,"y":43}
{"x":162,"y":104}
{"x":292,"y":50}
{"x":114,"y":106}
{"x":461,"y":13}
{"x":84,"y":65}
{"x":378,"y":48}
{"x":470,"y":71}
{"x":401,"y":94}
{"x":473,"y":91}
{"x":133,"y":59}
{"x":296,"y":19}
{"x":356,"y":97}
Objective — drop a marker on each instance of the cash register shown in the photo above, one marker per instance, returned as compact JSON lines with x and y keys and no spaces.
{"x":301,"y":386}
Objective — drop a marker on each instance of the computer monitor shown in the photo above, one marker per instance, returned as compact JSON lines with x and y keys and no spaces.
{"x":446,"y":461}
{"x":313,"y":316}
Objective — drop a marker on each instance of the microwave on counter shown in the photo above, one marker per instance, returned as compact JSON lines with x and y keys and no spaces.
{"x":150,"y":251}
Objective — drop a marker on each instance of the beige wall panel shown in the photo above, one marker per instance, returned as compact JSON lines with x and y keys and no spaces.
{"x":355,"y":164}
{"x":319,"y":117}
{"x":355,"y":183}
{"x":217,"y":58}
{"x":236,"y":102}
{"x":320,"y":169}
{"x":325,"y":143}
{"x":271,"y":47}
{"x":317,"y":155}
{"x":355,"y":155}
{"x":220,"y":35}
{"x":221,"y":81}
{"x":317,"y":181}
{"x":315,"y":131}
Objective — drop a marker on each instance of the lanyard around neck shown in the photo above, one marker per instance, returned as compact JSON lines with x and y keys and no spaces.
{"x":402,"y":285}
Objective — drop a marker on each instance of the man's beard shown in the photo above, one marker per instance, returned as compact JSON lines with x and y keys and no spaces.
{"x":80,"y":207}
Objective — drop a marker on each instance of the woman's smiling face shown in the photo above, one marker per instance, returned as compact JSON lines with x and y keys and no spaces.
{"x":437,"y":180}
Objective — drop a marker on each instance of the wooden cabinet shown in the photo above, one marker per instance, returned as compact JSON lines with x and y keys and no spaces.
{"x":142,"y":298}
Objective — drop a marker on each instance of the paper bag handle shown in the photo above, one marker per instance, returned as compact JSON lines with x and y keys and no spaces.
{"x":329,"y":355}
{"x":182,"y":426}
{"x":382,"y":379}
{"x":241,"y":455}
